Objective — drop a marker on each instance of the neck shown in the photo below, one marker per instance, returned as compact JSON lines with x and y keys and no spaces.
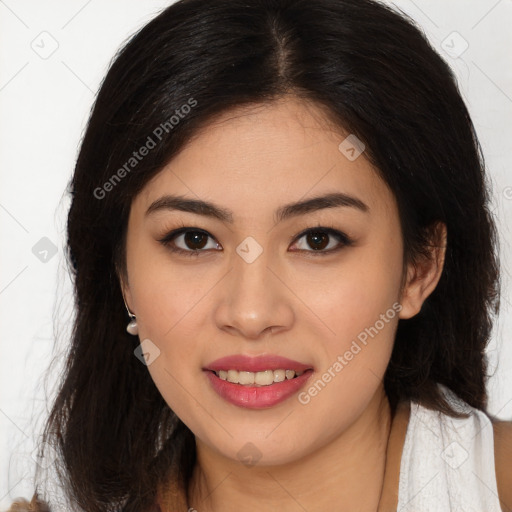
{"x":347,"y":472}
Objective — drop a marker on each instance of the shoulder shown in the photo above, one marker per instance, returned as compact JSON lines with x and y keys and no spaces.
{"x":503,"y":458}
{"x":35,"y":505}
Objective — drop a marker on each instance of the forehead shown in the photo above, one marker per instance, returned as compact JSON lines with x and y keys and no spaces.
{"x":262,"y":156}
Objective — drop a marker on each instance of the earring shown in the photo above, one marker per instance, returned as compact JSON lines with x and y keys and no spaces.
{"x":132,"y":328}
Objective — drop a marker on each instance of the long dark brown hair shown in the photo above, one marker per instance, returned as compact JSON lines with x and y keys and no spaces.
{"x":375,"y":75}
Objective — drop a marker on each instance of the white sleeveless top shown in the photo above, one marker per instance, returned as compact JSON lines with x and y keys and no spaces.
{"x":448,"y":463}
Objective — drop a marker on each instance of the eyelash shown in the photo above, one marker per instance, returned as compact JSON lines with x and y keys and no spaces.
{"x":344,"y":240}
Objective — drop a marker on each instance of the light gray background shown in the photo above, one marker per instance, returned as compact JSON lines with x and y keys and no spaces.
{"x":53,"y":57}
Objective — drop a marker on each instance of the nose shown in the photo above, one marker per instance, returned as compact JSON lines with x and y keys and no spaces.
{"x":255,"y":300}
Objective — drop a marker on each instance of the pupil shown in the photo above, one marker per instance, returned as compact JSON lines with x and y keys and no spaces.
{"x":191,"y":237}
{"x":315,"y":238}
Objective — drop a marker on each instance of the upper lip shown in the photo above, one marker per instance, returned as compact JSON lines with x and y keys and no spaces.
{"x":260,"y":363}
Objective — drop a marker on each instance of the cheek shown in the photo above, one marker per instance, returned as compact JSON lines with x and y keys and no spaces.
{"x":163,"y":302}
{"x":168,"y":317}
{"x":365,"y":287}
{"x":362,"y":311}
{"x":163,"y":294}
{"x":165,"y":309}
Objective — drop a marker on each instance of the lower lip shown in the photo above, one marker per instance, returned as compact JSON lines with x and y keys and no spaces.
{"x":257,"y":397}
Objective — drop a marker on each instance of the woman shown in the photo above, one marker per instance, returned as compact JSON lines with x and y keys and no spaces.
{"x":307,"y":279}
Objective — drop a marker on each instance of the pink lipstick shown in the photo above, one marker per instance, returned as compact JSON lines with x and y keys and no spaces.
{"x":258,"y":382}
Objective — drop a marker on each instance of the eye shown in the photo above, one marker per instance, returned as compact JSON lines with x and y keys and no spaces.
{"x":321,"y":237}
{"x":194,"y":240}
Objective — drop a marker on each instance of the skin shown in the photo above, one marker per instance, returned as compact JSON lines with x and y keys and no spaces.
{"x":331,"y":452}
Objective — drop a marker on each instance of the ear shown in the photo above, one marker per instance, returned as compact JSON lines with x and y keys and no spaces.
{"x":125,"y":288}
{"x":424,"y":274}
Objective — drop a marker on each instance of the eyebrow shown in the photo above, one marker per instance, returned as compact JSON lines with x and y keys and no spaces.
{"x":208,"y":209}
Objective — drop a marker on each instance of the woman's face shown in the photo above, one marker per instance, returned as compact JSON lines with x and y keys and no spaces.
{"x":256,"y":287}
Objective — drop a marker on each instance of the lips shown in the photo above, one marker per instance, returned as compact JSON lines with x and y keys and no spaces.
{"x":253,"y":396}
{"x":256,"y":364}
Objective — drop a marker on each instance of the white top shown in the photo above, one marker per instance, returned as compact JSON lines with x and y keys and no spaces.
{"x":448,"y":463}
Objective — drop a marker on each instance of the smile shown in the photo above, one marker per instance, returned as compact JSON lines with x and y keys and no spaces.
{"x":264,"y":378}
{"x":256,"y":396}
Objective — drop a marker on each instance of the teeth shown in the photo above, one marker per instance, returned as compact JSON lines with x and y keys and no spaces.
{"x":263,"y":378}
{"x":279,"y":375}
{"x":245,"y":378}
{"x":257,"y":379}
